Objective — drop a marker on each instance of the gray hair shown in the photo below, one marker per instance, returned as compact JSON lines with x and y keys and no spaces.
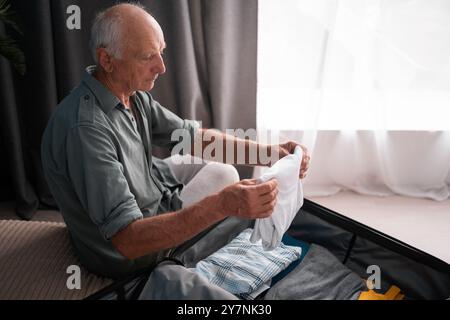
{"x":106,"y":31}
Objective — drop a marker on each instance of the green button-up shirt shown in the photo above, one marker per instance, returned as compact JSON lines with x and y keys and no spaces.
{"x":97,"y":160}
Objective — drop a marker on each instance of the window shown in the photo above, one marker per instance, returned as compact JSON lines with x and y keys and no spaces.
{"x":354,"y":64}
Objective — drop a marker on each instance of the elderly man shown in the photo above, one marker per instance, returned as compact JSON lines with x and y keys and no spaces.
{"x":97,"y":157}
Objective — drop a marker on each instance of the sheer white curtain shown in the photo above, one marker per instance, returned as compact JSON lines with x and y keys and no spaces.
{"x":365,"y":84}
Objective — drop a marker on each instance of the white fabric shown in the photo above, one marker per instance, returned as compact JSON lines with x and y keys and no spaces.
{"x":289,"y":200}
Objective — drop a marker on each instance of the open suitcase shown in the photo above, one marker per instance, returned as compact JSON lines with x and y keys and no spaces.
{"x":418,"y":274}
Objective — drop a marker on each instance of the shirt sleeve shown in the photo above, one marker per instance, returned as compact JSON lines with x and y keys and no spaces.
{"x":98,"y":179}
{"x":164,"y":122}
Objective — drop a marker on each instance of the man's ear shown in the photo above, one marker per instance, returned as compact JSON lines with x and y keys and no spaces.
{"x":104,"y":59}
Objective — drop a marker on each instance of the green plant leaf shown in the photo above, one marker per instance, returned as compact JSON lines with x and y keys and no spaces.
{"x":10,"y":50}
{"x":8,"y":17}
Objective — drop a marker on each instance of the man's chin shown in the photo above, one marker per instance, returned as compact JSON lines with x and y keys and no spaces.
{"x":147,"y":86}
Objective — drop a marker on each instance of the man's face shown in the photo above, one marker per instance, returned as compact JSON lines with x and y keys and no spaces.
{"x":141,"y":61}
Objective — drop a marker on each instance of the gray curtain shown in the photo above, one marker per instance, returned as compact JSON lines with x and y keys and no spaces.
{"x":211,"y":76}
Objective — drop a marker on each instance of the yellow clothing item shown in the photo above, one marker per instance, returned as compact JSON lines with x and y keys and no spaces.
{"x":392,"y":294}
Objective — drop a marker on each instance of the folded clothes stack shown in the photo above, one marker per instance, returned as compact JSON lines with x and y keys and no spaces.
{"x":244,"y":268}
{"x":294,"y":270}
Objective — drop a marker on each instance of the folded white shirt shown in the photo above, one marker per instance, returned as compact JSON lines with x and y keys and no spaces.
{"x":289,"y":200}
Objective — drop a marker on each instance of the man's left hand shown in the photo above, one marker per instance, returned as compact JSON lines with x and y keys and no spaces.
{"x":288,"y":148}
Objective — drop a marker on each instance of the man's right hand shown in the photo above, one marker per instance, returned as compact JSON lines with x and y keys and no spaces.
{"x":247,"y":199}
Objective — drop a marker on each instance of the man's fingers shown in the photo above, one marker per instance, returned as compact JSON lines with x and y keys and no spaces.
{"x":268,"y":208}
{"x":305,"y":160}
{"x":304,"y":168}
{"x":248,"y":182}
{"x":265,"y":210}
{"x":266,"y":187}
{"x":304,"y":149}
{"x":268,"y":197}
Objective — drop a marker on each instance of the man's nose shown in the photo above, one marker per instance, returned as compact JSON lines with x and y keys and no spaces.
{"x":160,"y":68}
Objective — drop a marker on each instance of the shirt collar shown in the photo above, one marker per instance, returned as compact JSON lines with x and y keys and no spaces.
{"x":106,"y":98}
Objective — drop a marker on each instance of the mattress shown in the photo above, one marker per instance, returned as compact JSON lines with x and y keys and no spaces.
{"x":35,"y":258}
